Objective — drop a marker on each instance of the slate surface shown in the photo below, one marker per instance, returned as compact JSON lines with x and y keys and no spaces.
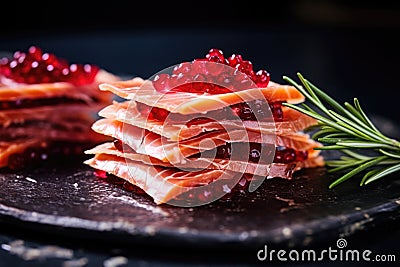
{"x":280,"y":212}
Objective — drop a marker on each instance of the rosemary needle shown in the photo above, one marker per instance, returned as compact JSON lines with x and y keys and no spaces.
{"x":348,"y":129}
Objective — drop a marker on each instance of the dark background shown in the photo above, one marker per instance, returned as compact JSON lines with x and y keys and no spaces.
{"x":349,"y":49}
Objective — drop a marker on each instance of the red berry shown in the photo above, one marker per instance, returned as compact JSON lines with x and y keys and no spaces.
{"x":224,"y":151}
{"x":289,"y":155}
{"x":233,"y":60}
{"x":38,"y":67}
{"x":262,"y":78}
{"x":100,"y":174}
{"x":301,"y":155}
{"x":216,"y":53}
{"x":199,"y":66}
{"x":159,"y":113}
{"x":118,"y":145}
{"x":35,"y":53}
{"x":183,"y":68}
{"x":161,"y":82}
{"x":276,"y":110}
{"x":246,"y":67}
{"x":212,"y":75}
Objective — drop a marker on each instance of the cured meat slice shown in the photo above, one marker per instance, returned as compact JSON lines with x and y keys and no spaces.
{"x":152,"y":144}
{"x":164,"y":184}
{"x":48,"y":106}
{"x":190,"y":103}
{"x":202,"y":127}
{"x":12,"y":91}
{"x":174,"y":130}
{"x":62,"y":113}
{"x":259,"y":169}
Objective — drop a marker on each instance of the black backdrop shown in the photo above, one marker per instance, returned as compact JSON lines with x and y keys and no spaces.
{"x":350,"y":50}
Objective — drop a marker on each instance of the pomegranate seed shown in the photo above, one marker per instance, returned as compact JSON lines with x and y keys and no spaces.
{"x":35,"y":52}
{"x":199,"y":76}
{"x":289,"y":155}
{"x":152,"y":113}
{"x":197,"y":87}
{"x":161,"y":82}
{"x":100,"y":174}
{"x":278,"y":158}
{"x":246,"y":67}
{"x":118,"y":145}
{"x":215,"y":69}
{"x":220,"y":90}
{"x":217,"y":54}
{"x":224,"y":151}
{"x":183,"y":68}
{"x":199,"y":66}
{"x":38,"y":67}
{"x":234,"y":60}
{"x":301,"y":155}
{"x":242,"y":184}
{"x":243,"y":111}
{"x":241,"y":81}
{"x":143,"y":109}
{"x":276,"y":110}
{"x":262,"y":78}
{"x":159,"y":113}
{"x":176,"y":81}
{"x":255,"y":154}
{"x":225,"y":81}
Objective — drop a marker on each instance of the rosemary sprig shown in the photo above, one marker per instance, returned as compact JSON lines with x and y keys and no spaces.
{"x":348,"y":129}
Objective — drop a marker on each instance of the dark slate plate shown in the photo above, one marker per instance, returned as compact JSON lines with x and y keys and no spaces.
{"x":70,"y":200}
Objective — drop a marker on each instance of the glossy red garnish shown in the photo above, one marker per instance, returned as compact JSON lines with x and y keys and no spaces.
{"x":288,"y":155}
{"x":276,"y":110}
{"x":256,"y":110}
{"x":253,"y":151}
{"x":100,"y":174}
{"x":120,"y":146}
{"x":34,"y":66}
{"x":200,"y":76}
{"x":152,"y":113}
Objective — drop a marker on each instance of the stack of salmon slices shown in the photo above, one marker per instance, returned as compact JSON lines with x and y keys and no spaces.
{"x":201,"y":130}
{"x":47,"y":107}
